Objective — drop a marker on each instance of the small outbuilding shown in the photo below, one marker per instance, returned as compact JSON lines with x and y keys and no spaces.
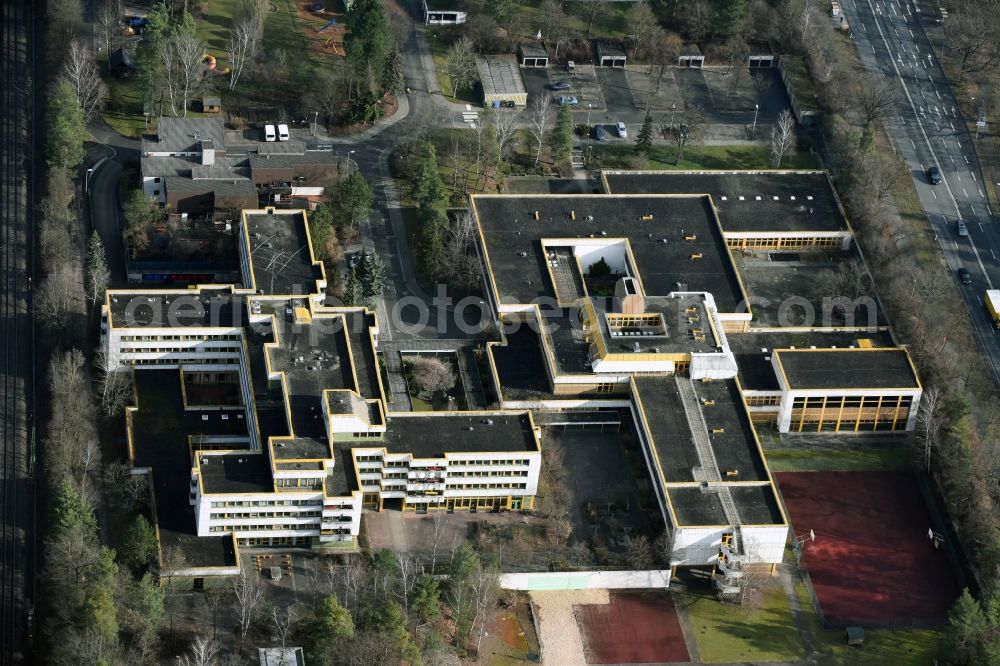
{"x":533,"y":55}
{"x":501,"y":79}
{"x":211,"y":104}
{"x":761,"y":61}
{"x":444,"y":12}
{"x":691,"y":56}
{"x":121,"y":64}
{"x":610,"y":54}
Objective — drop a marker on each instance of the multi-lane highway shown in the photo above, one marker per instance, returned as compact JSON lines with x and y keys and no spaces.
{"x":928,"y":130}
{"x":15,"y":342}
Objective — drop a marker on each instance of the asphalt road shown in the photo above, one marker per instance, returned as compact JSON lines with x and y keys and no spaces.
{"x":928,"y":130}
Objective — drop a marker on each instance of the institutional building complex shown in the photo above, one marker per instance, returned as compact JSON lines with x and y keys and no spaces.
{"x":672,"y":304}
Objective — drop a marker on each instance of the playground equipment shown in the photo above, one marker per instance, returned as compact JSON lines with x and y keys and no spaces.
{"x":211,"y":65}
{"x":329,"y":25}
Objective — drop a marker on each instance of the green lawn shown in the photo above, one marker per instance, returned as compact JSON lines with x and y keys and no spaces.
{"x":662,"y":156}
{"x":213,"y":27}
{"x":726,"y":633}
{"x":838,"y":459}
{"x":899,"y":647}
{"x":439,"y":49}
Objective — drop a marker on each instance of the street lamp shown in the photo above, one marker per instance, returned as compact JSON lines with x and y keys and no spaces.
{"x":756,"y":108}
{"x":673,"y":107}
{"x":86,"y":182}
{"x":589,"y":106}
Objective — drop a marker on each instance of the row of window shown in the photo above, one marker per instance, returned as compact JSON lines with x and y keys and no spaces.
{"x":481,"y":486}
{"x":836,"y":402}
{"x":235,"y":337}
{"x":782,"y":243}
{"x":513,"y":472}
{"x":178,"y":350}
{"x":241,"y":503}
{"x":308,"y":484}
{"x":184,"y":360}
{"x":762,"y":400}
{"x":236,"y":515}
{"x":257,"y":528}
{"x":404,"y":463}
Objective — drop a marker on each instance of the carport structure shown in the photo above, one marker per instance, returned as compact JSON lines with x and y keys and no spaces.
{"x":533,"y":55}
{"x":501,"y":79}
{"x":691,"y":56}
{"x":610,"y":55}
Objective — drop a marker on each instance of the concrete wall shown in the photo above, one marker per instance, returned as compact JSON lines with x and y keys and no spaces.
{"x":587,"y":580}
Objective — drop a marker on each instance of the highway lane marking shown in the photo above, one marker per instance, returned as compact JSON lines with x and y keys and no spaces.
{"x":966,"y":158}
{"x":957,"y":174}
{"x":913,"y":144}
{"x":938,"y":94}
{"x":951,"y":125}
{"x":991,"y":251}
{"x":934,"y":193}
{"x":981,"y":192}
{"x":973,"y":176}
{"x":964,"y":191}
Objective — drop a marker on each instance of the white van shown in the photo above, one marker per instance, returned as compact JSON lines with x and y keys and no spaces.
{"x":269,"y":133}
{"x":282,"y":132}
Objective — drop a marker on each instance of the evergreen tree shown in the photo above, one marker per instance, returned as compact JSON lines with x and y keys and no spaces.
{"x":430,"y":256}
{"x":98,"y":275}
{"x":367,"y":42}
{"x":326,"y":631}
{"x":372,"y":274}
{"x":392,"y":72}
{"x":69,"y":510}
{"x":427,"y":187}
{"x":65,"y":127}
{"x":138,"y":547}
{"x":729,"y":16}
{"x":321,"y":229}
{"x":561,"y":138}
{"x":644,"y":141}
{"x":424,"y":599}
{"x":463,"y":563}
{"x":967,"y":624}
{"x":352,"y":288}
{"x":352,"y":199}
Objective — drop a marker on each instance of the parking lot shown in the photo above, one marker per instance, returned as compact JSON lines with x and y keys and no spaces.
{"x":584,"y":85}
{"x":607,"y":95}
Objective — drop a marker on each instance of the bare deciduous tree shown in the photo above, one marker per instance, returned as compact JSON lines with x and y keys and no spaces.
{"x":461,"y":65}
{"x":687,"y":131}
{"x":248,"y":591}
{"x":929,"y":417}
{"x":876,"y":99}
{"x":114,"y":384}
{"x":506,"y":133}
{"x":438,"y":520}
{"x":240,"y":45}
{"x":282,"y":621}
{"x":203,"y":651}
{"x":59,"y":295}
{"x":255,"y":12}
{"x":407,"y":578}
{"x":642,"y":24}
{"x":190,"y":51}
{"x":431,"y":374}
{"x":108,"y":16}
{"x":783,"y":138}
{"x":485,"y":587}
{"x":541,"y":116}
{"x":462,"y":262}
{"x":80,"y":72}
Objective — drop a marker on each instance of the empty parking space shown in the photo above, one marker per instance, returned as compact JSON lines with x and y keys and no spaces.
{"x":615,"y":87}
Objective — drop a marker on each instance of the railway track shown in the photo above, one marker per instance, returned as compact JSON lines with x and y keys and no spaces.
{"x":15,"y":345}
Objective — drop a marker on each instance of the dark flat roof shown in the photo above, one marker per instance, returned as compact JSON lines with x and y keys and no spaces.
{"x":208,"y":307}
{"x":433,"y":435}
{"x":520,"y":363}
{"x":757,"y":505}
{"x":242,"y":472}
{"x":806,"y":200}
{"x":848,"y":369}
{"x":735,"y":448}
{"x":279,"y":249}
{"x":660,"y":251}
{"x":753,"y":351}
{"x":160,"y":430}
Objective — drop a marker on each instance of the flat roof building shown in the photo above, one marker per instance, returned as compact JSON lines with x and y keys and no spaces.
{"x":501,"y":80}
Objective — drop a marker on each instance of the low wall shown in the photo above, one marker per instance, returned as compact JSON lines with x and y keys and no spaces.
{"x":586,"y":580}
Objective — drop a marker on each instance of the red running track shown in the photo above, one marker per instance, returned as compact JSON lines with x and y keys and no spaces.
{"x":635,"y":628}
{"x":872,"y":563}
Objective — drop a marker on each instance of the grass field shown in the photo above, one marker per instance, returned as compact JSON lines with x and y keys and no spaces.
{"x":839,"y":459}
{"x":439,"y":49}
{"x":900,"y":647}
{"x":698,"y":157}
{"x":725,"y":633}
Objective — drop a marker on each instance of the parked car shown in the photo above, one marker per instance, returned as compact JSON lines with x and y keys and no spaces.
{"x":622,"y":132}
{"x":570,"y":66}
{"x":561,"y":85}
{"x":508,"y":103}
{"x":269,"y":133}
{"x":600,"y":133}
{"x":934,"y":175}
{"x":567,"y":99}
{"x":963,"y":276}
{"x":962,"y":228}
{"x":282,"y":132}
